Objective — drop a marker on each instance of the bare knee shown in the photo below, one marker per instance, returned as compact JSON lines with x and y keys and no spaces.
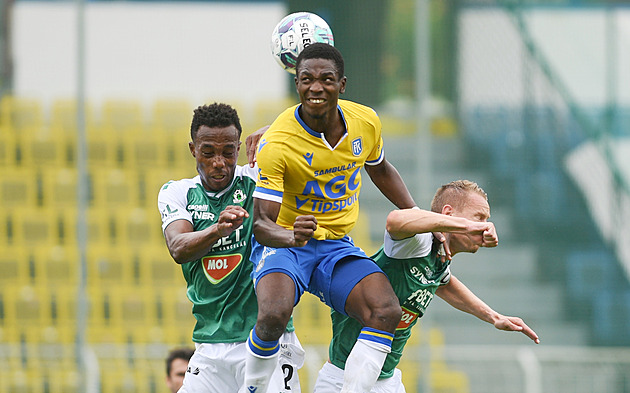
{"x":276,"y":298}
{"x":374,"y":303}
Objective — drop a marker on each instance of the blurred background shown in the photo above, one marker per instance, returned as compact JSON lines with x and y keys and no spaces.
{"x":530,"y":99}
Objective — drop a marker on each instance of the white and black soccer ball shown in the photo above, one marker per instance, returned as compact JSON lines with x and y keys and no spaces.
{"x":295,"y":32}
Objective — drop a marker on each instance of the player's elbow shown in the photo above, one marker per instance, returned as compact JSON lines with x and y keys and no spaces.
{"x":394,"y":221}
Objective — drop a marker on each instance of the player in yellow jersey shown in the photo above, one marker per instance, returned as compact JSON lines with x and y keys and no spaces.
{"x":305,"y":203}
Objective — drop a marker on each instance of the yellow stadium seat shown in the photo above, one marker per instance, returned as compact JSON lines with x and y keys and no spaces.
{"x":27,"y":313}
{"x":146,"y":149}
{"x":172,"y":115}
{"x":41,"y":147}
{"x":134,"y":309}
{"x":115,"y":188}
{"x":138,"y":227}
{"x":63,"y":115}
{"x":122,"y":115}
{"x":19,"y":113}
{"x":35,"y":227}
{"x":266,"y":111}
{"x":107,"y":266}
{"x":100,"y":226}
{"x":176,"y":315}
{"x":18,"y":187}
{"x":59,"y":187}
{"x":8,"y":150}
{"x":157,"y":268}
{"x":103,"y":148}
{"x":312,"y":321}
{"x":14,"y":266}
{"x":56,"y":265}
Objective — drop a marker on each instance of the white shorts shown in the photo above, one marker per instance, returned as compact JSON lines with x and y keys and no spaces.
{"x":220,"y":368}
{"x":330,"y":380}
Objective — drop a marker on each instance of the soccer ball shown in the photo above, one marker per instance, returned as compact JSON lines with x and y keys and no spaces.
{"x":295,"y":32}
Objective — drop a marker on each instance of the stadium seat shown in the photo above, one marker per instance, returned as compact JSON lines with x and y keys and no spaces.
{"x":103,"y":148}
{"x":63,"y":115}
{"x":18,"y":187}
{"x":266,"y":111}
{"x":59,"y":187}
{"x":35,"y":227}
{"x":20,"y":113}
{"x":14,"y":265}
{"x":107,"y":266}
{"x":138,"y":227}
{"x":144,"y":148}
{"x":114,"y":188}
{"x":172,"y":116}
{"x":27,"y":313}
{"x":8,"y":150}
{"x":133,"y":309}
{"x":176,"y":315}
{"x":56,"y":265}
{"x":121,"y":115}
{"x":41,"y":148}
{"x":312,"y":321}
{"x":157,"y":268}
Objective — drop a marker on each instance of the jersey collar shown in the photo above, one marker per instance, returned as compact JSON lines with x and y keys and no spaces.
{"x":319,"y":134}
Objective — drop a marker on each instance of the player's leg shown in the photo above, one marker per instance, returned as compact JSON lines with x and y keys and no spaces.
{"x":276,"y":297}
{"x":372,"y":302}
{"x":329,"y":379}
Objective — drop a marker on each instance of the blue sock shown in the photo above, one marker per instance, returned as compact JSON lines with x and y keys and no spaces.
{"x":260,"y":347}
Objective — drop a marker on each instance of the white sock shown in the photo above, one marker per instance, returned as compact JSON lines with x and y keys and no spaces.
{"x":259,"y":367}
{"x":365,"y":361}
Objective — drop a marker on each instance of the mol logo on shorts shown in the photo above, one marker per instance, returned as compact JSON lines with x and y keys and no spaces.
{"x":217,"y":268}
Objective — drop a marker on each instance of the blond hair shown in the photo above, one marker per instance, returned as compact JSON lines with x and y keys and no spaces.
{"x":455,"y":194}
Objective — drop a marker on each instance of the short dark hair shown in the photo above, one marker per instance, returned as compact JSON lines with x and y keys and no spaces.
{"x":320,"y":50}
{"x":214,"y":115}
{"x":178,"y":353}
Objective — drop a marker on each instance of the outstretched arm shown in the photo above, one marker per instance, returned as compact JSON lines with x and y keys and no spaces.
{"x":387,"y":179}
{"x":269,"y":233}
{"x":186,"y":245}
{"x":459,"y":296}
{"x":405,"y":223}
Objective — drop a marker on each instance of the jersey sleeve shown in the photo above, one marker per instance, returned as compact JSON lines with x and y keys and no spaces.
{"x":271,"y":166}
{"x":172,"y":203}
{"x":376,"y":154}
{"x":417,"y":246}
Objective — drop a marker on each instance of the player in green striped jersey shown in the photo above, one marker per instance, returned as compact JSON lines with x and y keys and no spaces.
{"x":207,"y":224}
{"x":412,"y":260}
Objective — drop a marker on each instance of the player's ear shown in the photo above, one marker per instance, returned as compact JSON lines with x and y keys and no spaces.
{"x":191,"y":146}
{"x":342,"y":89}
{"x":447,"y":210}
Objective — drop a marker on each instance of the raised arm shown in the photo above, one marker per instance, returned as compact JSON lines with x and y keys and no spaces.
{"x":186,"y":245}
{"x":405,"y":223}
{"x":269,"y":233}
{"x":459,"y":296}
{"x":387,"y":179}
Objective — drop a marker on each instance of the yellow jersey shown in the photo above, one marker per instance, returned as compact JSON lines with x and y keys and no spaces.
{"x":299,"y":169}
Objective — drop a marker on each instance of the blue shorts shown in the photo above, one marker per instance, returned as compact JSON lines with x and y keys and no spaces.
{"x":328,"y":269}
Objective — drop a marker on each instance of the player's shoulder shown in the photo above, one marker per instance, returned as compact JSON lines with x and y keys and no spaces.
{"x":363,"y":117}
{"x":246,"y":173}
{"x":181,"y":185}
{"x":358,"y":111}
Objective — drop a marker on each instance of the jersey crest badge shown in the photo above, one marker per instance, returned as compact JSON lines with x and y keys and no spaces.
{"x":357,"y":146}
{"x":239,"y":196}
